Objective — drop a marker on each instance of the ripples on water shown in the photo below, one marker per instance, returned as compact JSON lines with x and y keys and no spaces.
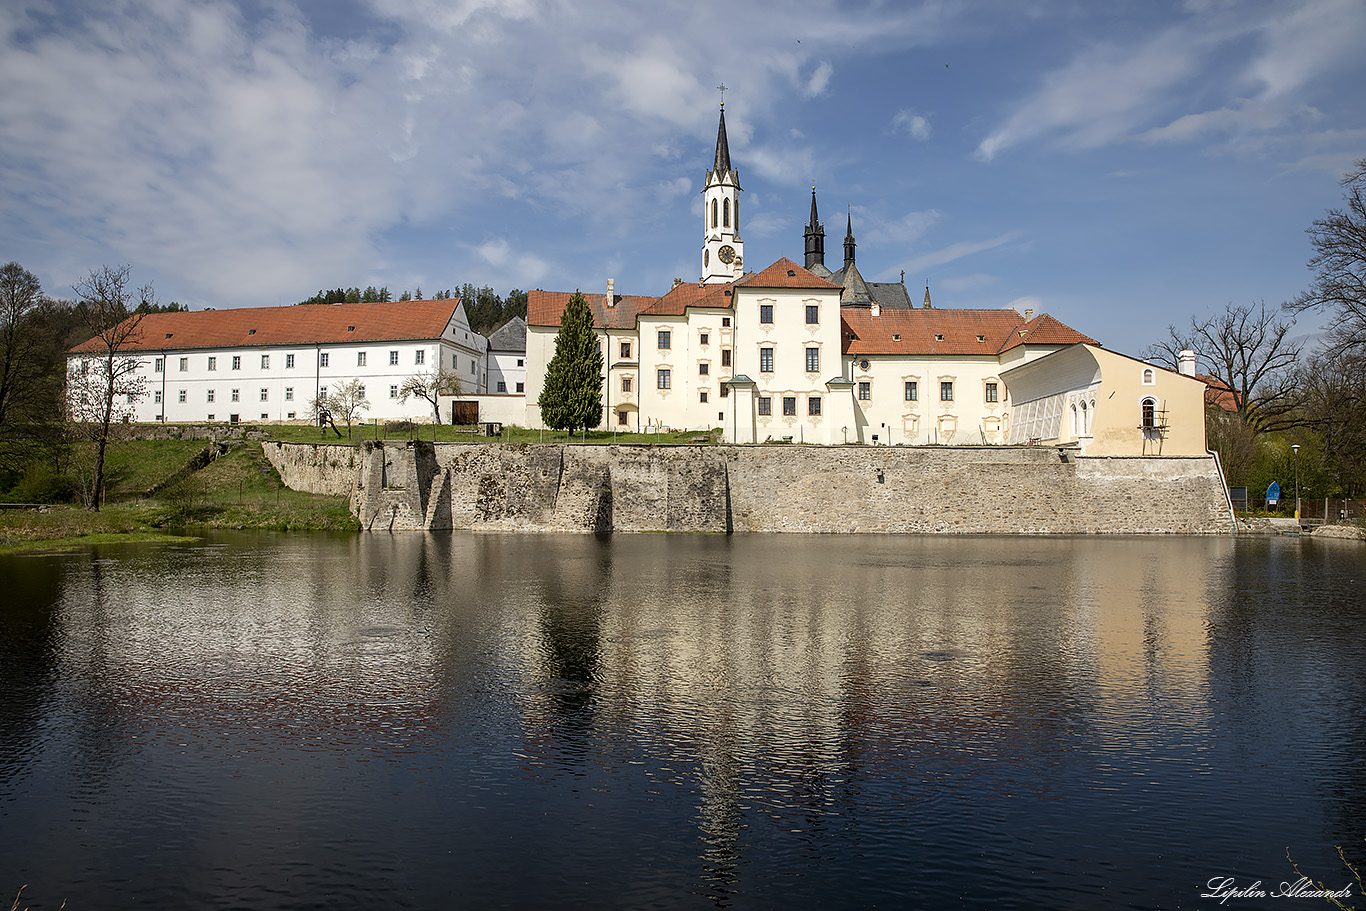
{"x":678,"y":721}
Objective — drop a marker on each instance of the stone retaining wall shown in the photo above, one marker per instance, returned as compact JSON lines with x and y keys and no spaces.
{"x":915,"y":490}
{"x":316,"y":468}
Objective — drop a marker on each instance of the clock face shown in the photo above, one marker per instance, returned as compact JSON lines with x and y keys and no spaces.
{"x":726,"y":254}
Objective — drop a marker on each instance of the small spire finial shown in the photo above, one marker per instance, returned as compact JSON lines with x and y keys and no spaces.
{"x":722,"y":89}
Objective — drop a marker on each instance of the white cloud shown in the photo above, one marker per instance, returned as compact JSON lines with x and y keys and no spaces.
{"x":968,"y":282}
{"x":820,"y":80}
{"x":956,"y":251}
{"x":1027,"y":302}
{"x":904,"y":230}
{"x":910,"y":122}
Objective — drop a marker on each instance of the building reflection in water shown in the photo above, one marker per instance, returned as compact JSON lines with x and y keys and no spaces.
{"x":790,"y":684}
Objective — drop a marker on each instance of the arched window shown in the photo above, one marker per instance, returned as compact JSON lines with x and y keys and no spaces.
{"x":713,"y":213}
{"x":1149,"y":413}
{"x":1076,"y":427}
{"x":1149,"y":377}
{"x":725,"y":214}
{"x":1085,"y":420}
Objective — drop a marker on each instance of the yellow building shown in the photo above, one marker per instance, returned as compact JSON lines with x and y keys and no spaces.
{"x":1106,"y":404}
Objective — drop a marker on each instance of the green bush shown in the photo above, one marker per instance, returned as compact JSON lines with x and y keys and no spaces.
{"x":40,"y":484}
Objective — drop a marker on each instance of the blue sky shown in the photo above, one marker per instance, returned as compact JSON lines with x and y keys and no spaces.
{"x":1119,"y":165}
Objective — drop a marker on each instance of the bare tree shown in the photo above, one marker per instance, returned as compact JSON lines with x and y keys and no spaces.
{"x":21,"y":340}
{"x":321,"y":408}
{"x":430,"y":386}
{"x":104,"y":382}
{"x":1339,"y":262}
{"x":348,"y":402}
{"x":1249,"y":351}
{"x":1335,"y":406}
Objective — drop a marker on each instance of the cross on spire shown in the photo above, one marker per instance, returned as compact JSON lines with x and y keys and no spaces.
{"x":722,"y":89}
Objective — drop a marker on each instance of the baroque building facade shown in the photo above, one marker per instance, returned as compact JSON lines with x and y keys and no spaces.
{"x":797,"y":352}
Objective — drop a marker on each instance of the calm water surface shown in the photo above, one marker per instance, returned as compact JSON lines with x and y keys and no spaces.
{"x":432,"y":721}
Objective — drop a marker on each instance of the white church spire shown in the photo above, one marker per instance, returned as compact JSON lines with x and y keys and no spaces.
{"x":722,"y":249}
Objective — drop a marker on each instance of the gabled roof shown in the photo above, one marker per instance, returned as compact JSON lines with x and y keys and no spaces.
{"x":511,"y":337}
{"x":304,"y":324}
{"x":947,"y":332}
{"x":690,"y":294}
{"x":1045,"y":330}
{"x":545,"y":307}
{"x":785,"y":274}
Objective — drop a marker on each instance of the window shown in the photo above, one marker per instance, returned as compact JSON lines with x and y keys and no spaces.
{"x":625,"y":352}
{"x":625,"y":384}
{"x":521,"y":387}
{"x":1149,"y":377}
{"x":813,"y":314}
{"x":360,"y":358}
{"x":725,"y":321}
{"x":393,"y":391}
{"x":235,"y":396}
{"x":765,"y":360}
{"x":322,"y":394}
{"x":420,"y":357}
{"x":455,"y":362}
{"x":393,"y":358}
{"x":184,"y":364}
{"x":159,"y":364}
{"x":211,"y":417}
{"x":865,"y":391}
{"x":991,"y":393}
{"x":210,"y":395}
{"x":156,"y":397}
{"x":265,"y":362}
{"x":130,"y":398}
{"x":473,"y":369}
{"x":946,"y":391}
{"x":289,"y":362}
{"x":237,"y":362}
{"x":765,"y":313}
{"x":1085,"y":420}
{"x":361,"y":392}
{"x":213,"y":363}
{"x":813,"y":406}
{"x":713,"y":213}
{"x":289,"y":393}
{"x":725,"y":213}
{"x":725,"y":357}
{"x":180,"y":396}
{"x":621,"y":418}
{"x":765,"y":405}
{"x":522,"y":363}
{"x":704,"y":338}
{"x":665,"y":338}
{"x":912,"y":391}
{"x":663,"y":378}
{"x":725,"y":391}
{"x":322,"y":359}
{"x":502,"y":386}
{"x":1149,"y":414}
{"x":789,"y":406}
{"x":703,"y":369}
{"x":265,"y":395}
{"x":813,"y":360}
{"x":703,"y":397}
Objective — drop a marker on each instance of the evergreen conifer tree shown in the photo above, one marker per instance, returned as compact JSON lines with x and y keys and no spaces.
{"x":572,"y":396}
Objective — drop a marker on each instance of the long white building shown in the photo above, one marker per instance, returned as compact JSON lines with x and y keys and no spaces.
{"x":269,"y":363}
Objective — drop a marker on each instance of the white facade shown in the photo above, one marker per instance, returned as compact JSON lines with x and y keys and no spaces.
{"x":277,"y":382}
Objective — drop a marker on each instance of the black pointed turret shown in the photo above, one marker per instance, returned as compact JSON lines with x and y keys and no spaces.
{"x":849,"y":244}
{"x":815,"y":237}
{"x":722,"y":165}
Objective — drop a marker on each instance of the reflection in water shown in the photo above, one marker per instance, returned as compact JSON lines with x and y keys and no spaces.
{"x":747,"y":721}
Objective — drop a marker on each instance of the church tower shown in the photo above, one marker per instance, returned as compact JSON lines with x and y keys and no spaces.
{"x":722,"y":249}
{"x":815,"y":237}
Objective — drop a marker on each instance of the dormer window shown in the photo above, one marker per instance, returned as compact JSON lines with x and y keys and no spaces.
{"x":251,"y":332}
{"x":981,"y":338}
{"x":939,"y":338}
{"x":896,"y":337}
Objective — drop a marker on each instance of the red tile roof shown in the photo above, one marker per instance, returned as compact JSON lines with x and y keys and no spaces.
{"x":685,"y":295}
{"x":1218,"y":393}
{"x":786,"y":274}
{"x":299,"y":325}
{"x":948,"y":332}
{"x":543,"y":308}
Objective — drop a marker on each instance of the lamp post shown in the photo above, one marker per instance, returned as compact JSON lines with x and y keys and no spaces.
{"x":1295,"y":448}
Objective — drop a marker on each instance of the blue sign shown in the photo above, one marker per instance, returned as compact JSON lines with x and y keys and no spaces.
{"x":1273,"y":494}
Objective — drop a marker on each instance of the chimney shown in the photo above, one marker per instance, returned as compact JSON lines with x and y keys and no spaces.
{"x":611,"y":293}
{"x":877,"y":309}
{"x":1186,"y":363}
{"x":1029,"y":314}
{"x":677,"y":282}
